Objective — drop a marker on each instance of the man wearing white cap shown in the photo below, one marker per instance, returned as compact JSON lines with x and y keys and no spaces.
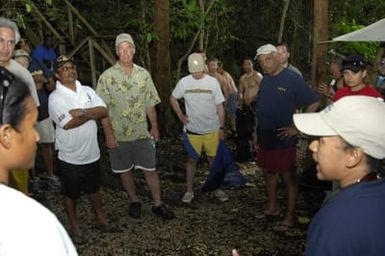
{"x":281,"y":93}
{"x":204,"y":118}
{"x":131,"y":96}
{"x":351,"y":151}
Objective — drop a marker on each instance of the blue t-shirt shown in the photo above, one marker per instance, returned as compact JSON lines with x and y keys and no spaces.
{"x":44,"y":55}
{"x":350,"y":224}
{"x":278,"y":98}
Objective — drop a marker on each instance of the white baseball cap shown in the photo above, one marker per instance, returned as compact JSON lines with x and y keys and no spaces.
{"x":265,"y":49}
{"x":196,"y":63}
{"x":359,"y":120}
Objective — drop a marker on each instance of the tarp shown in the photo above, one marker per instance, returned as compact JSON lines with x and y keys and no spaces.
{"x":373,"y":32}
{"x":223,"y":171}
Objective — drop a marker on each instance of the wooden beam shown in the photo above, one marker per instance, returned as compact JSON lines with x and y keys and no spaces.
{"x":89,"y":27}
{"x":46,"y":22}
{"x":92,"y":61}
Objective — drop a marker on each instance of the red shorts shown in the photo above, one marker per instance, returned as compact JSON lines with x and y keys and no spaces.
{"x":277,"y":160}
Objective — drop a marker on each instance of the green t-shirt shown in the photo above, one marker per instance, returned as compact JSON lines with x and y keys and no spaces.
{"x":128,"y":97}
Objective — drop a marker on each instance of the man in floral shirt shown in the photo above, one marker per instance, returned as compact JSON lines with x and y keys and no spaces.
{"x":130,"y":95}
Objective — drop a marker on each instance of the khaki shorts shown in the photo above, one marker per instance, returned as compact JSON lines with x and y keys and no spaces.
{"x":138,"y":154}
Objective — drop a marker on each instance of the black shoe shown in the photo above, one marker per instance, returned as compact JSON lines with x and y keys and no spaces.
{"x":134,"y":210}
{"x":163,"y":212}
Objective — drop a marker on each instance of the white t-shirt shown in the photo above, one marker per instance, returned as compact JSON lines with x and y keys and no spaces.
{"x":28,"y":228}
{"x":77,"y":145}
{"x":201,"y":98}
{"x":26,"y":76}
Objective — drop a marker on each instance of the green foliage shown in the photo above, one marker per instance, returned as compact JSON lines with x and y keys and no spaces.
{"x":368,"y":49}
{"x":185,"y":18}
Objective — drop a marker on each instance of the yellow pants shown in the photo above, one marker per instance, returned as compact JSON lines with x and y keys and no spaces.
{"x":18,"y":179}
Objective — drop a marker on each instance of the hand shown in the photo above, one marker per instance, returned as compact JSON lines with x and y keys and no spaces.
{"x":77,"y":112}
{"x":287,"y":132}
{"x":154,"y":133}
{"x":221,"y":134}
{"x":184,"y":119}
{"x":323,"y":89}
{"x":111,"y":142}
{"x":234,"y":252}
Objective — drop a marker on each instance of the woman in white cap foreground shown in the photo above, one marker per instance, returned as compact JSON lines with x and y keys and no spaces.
{"x":350,"y":150}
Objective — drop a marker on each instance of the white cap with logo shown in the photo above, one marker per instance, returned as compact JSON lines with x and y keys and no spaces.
{"x":196,"y":63}
{"x":359,"y":120}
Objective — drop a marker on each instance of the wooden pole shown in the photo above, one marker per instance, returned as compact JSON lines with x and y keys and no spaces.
{"x":321,"y":33}
{"x":92,"y":62}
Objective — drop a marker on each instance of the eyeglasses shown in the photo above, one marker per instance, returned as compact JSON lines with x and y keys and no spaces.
{"x":6,"y":78}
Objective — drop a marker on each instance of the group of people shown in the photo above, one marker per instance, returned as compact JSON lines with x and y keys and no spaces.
{"x":350,"y":148}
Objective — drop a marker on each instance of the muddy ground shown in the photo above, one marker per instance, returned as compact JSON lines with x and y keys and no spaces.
{"x":206,"y":227}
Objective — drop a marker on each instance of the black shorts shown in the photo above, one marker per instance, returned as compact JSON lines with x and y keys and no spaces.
{"x":78,"y":178}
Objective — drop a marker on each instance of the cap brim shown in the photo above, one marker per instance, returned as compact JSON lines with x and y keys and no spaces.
{"x":312,"y":124}
{"x":355,"y":69}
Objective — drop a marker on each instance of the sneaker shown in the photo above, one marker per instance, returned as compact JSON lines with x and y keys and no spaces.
{"x":188,"y":196}
{"x":221,"y":195}
{"x":53,"y":182}
{"x":163,"y":212}
{"x":134,"y":210}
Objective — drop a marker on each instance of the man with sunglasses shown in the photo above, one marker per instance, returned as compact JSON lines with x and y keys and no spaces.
{"x":74,"y":108}
{"x":9,"y":37}
{"x":354,"y":71}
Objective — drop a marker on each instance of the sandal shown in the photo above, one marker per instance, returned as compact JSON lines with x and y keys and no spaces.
{"x":78,"y":239}
{"x":107,"y":228}
{"x":282,"y":227}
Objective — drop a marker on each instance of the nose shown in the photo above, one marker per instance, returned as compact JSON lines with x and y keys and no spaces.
{"x":37,"y":135}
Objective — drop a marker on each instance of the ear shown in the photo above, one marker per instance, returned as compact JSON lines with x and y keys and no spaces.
{"x":6,"y":134}
{"x":364,"y":73}
{"x":57,"y":76}
{"x":355,"y":157}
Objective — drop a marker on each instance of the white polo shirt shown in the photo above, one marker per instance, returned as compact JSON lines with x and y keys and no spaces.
{"x":77,"y":145}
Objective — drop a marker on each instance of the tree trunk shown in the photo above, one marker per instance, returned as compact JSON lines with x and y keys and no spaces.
{"x":162,"y":75}
{"x":321,"y":33}
{"x":283,"y":19}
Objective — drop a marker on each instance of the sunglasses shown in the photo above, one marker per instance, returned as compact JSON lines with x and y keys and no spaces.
{"x":6,"y":78}
{"x":354,"y":63}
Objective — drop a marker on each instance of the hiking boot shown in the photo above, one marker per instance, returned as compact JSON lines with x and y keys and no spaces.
{"x":188,"y":196}
{"x":53,"y":182}
{"x":134,"y":210}
{"x":221,"y":195}
{"x":163,"y":212}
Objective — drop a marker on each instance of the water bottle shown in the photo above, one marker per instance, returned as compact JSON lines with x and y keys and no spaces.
{"x":152,"y":141}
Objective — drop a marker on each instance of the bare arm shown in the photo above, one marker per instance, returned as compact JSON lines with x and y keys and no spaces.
{"x":111,"y":141}
{"x":175,"y":106}
{"x":80,"y":116}
{"x":151,"y":114}
{"x":221,"y":114}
